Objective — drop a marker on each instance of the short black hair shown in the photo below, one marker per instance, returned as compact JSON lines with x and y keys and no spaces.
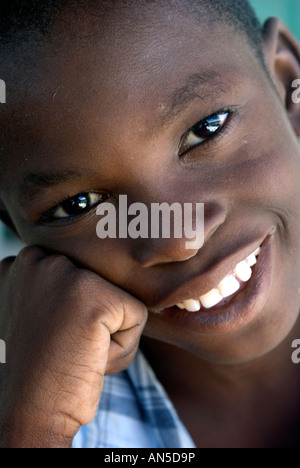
{"x":22,"y":16}
{"x":238,"y":15}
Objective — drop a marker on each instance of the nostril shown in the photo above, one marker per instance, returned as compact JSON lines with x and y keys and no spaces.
{"x":165,"y":250}
{"x":159,"y":253}
{"x":215,"y":216}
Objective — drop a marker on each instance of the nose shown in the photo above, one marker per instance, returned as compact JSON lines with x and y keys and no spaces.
{"x":152,"y":252}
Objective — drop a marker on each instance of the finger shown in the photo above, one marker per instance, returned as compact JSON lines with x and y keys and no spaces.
{"x":31,"y":254}
{"x":6,"y":263}
{"x":125,"y":342}
{"x":123,"y":316}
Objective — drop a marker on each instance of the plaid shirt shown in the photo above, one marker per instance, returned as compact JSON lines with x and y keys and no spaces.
{"x":134,"y":412}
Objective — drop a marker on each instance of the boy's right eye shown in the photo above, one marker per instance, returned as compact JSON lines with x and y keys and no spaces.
{"x":75,"y":206}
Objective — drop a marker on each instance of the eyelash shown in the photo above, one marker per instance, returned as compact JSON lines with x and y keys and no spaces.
{"x":48,"y":217}
{"x":219,"y":134}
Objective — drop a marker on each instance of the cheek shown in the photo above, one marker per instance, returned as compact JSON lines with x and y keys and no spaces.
{"x":274,"y":181}
{"x":107,"y":258}
{"x":263,"y":170}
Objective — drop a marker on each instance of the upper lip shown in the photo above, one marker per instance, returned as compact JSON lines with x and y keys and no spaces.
{"x":198,"y":285}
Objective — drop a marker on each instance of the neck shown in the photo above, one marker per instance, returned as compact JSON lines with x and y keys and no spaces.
{"x":254,"y":404}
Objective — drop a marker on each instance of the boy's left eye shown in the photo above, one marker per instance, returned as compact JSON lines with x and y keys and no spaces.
{"x":203,"y":130}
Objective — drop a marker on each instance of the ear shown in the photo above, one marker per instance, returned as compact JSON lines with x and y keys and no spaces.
{"x":6,"y":219}
{"x":282,"y":52}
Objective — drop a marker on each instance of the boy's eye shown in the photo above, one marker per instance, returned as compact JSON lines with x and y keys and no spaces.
{"x":76,"y":205}
{"x":203,"y":130}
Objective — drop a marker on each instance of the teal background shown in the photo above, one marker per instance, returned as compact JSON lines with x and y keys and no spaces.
{"x":287,"y":10}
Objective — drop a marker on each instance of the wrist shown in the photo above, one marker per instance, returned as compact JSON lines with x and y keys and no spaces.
{"x":43,"y":432}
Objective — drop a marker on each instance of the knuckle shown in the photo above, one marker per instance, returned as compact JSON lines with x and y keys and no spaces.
{"x":99,"y":300}
{"x":110,"y":305}
{"x":121,"y":363}
{"x":29,"y":255}
{"x":137,"y":311}
{"x":58,"y":262}
{"x":79,"y":292}
{"x":6,"y":263}
{"x":143,"y":314}
{"x":103,"y":312}
{"x":81,"y":287}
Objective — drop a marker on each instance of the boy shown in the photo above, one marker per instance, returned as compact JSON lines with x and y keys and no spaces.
{"x":164,"y":101}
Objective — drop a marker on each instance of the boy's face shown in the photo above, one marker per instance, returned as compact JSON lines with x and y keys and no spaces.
{"x":105,"y":113}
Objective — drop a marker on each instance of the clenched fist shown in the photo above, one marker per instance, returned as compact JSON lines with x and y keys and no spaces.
{"x":64,"y":328}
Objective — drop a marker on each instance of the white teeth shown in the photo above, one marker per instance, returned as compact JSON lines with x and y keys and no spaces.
{"x":191,"y":305}
{"x":243,"y":271}
{"x":251,"y":260}
{"x":257,"y":252}
{"x":228,"y":286}
{"x":211,"y":299}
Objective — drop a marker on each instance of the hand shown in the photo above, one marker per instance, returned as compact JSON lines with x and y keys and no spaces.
{"x":64,"y":329}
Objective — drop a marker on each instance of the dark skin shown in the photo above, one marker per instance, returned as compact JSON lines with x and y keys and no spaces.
{"x":98,"y":107}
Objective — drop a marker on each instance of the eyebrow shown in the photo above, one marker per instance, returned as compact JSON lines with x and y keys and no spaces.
{"x":32,"y":184}
{"x":182,"y":97}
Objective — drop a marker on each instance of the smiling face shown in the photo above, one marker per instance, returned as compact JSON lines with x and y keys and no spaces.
{"x":128,"y":109}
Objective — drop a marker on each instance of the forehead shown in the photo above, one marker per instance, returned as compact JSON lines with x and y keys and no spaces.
{"x":123,"y":51}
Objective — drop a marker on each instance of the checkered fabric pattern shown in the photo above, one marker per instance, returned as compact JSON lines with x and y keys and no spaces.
{"x":134,"y":412}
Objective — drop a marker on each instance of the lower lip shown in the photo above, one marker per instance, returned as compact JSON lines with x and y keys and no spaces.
{"x":243,"y":308}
